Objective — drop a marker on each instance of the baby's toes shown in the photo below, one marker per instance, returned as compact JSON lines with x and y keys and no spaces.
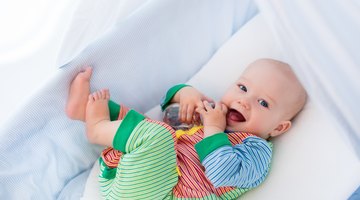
{"x":103,"y":93}
{"x":91,"y":98}
{"x":107,"y":94}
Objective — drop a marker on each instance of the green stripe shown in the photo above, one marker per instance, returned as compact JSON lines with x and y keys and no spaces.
{"x":211,"y":143}
{"x":234,"y":194}
{"x":114,"y":109}
{"x":148,"y":169}
{"x":106,"y":172}
{"x":146,"y":131}
{"x":126,"y":127}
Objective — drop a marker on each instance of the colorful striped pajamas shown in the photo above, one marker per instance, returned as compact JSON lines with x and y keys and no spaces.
{"x":150,"y":160}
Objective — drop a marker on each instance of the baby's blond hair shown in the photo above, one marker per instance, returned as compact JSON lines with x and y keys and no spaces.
{"x":299,"y":95}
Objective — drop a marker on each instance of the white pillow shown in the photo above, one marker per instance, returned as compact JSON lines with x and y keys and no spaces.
{"x":309,"y":161}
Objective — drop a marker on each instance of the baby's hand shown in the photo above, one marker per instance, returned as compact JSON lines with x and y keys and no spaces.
{"x":214,"y":119}
{"x":189,"y":99}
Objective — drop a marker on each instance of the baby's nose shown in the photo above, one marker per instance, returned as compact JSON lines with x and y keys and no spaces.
{"x":244,"y":103}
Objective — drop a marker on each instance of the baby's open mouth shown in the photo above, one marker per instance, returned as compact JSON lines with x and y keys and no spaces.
{"x":235,"y":115}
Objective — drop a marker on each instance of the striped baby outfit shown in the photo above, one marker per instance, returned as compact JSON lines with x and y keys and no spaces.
{"x":142,"y":162}
{"x":150,"y":160}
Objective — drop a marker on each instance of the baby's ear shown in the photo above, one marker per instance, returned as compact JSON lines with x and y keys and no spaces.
{"x":281,"y":128}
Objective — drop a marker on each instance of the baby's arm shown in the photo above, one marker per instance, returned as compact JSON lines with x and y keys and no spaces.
{"x":244,"y":165}
{"x":189,"y":99}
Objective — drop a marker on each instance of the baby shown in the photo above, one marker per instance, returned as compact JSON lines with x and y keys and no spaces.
{"x":221,"y":159}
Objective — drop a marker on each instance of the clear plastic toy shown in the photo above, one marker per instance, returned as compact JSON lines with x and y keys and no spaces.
{"x":171,"y":117}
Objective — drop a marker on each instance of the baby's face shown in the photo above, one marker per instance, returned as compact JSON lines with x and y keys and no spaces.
{"x":257,"y":101}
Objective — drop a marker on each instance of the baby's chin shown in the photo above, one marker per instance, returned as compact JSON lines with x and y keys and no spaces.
{"x":231,"y":129}
{"x":238,"y":128}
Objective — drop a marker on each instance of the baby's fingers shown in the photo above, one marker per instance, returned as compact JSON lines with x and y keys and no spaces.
{"x":206,"y":98}
{"x":182,"y":112}
{"x":189,"y":114}
{"x":224,"y":108}
{"x":201,"y":110}
{"x":208,"y":105}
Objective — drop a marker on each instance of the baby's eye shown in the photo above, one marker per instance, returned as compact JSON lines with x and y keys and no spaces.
{"x":263,"y":103}
{"x":243,"y":88}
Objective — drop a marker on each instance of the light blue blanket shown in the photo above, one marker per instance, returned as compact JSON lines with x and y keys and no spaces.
{"x":355,"y":195}
{"x":44,"y":155}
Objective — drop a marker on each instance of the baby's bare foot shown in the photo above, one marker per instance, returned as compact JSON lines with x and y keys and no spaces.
{"x":97,"y":111}
{"x":78,"y":95}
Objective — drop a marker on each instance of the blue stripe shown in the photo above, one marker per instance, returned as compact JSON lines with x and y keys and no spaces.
{"x":244,"y":165}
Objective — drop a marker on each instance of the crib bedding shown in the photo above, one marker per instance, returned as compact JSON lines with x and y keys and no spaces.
{"x":166,"y":42}
{"x":44,"y":155}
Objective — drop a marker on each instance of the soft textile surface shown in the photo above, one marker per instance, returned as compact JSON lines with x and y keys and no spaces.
{"x":355,"y":195}
{"x":164,"y":43}
{"x":326,"y":37}
{"x":326,"y":57}
{"x":90,"y":20}
{"x":312,"y":160}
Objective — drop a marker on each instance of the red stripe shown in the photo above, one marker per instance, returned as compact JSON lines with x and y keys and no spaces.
{"x":111,"y":157}
{"x":123,"y":111}
{"x":193,"y":182}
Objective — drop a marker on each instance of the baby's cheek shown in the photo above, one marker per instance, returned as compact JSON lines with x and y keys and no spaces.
{"x":256,"y":127}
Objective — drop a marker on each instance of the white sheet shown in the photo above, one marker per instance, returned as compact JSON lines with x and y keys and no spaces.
{"x":309,"y":160}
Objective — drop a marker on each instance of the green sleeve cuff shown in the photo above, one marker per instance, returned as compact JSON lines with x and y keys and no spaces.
{"x":125,"y":129}
{"x":170,"y":94}
{"x":114,"y":109}
{"x":108,"y":173}
{"x":211,"y":143}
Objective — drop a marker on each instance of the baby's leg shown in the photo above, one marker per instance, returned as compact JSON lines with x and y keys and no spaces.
{"x":78,"y":95}
{"x":147,"y":167}
{"x":99,"y":128}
